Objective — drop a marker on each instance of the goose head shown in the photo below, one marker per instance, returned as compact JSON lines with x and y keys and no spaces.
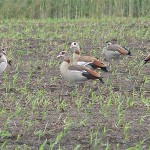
{"x":74,"y":46}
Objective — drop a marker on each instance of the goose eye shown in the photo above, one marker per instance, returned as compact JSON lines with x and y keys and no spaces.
{"x":75,"y":43}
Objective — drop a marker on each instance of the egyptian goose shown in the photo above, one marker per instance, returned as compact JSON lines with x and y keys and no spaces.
{"x":114,"y":50}
{"x":3,"y":62}
{"x":147,"y":59}
{"x":77,"y":73}
{"x":87,"y":61}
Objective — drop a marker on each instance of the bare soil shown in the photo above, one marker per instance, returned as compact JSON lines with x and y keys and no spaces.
{"x":122,"y":85}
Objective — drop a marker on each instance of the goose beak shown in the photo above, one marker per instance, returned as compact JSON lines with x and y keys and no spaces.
{"x":71,"y":46}
{"x":58,"y":56}
{"x":4,"y":52}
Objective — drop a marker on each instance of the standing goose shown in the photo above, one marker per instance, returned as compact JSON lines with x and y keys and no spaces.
{"x":3,"y":62}
{"x":77,"y":73}
{"x":114,"y":50}
{"x":87,"y":61}
{"x":147,"y":59}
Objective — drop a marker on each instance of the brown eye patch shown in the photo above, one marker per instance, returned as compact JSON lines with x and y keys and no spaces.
{"x":67,"y":59}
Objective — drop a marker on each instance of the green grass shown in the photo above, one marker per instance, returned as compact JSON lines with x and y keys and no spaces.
{"x":73,"y":8}
{"x":35,"y":114}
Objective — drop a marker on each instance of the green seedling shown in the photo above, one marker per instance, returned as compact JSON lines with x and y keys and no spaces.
{"x":39,"y":133}
{"x":62,"y":105}
{"x":43,"y":145}
{"x":126,"y":131}
{"x":78,"y":103}
{"x":27,"y":100}
{"x":4,"y":145}
{"x":4,"y":134}
{"x":77,"y":147}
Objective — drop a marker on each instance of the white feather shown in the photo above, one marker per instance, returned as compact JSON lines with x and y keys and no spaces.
{"x":3,"y":63}
{"x":71,"y":75}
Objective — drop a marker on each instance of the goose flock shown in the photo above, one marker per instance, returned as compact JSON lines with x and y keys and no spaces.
{"x":81,"y":68}
{"x":84,"y":68}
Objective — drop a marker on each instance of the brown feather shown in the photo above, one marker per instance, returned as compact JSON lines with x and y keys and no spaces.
{"x":82,"y":68}
{"x":86,"y":58}
{"x":67,"y":59}
{"x":98,"y":63}
{"x":117,"y":48}
{"x":76,"y":51}
{"x":92,"y":60}
{"x":123,"y":51}
{"x":92,"y":72}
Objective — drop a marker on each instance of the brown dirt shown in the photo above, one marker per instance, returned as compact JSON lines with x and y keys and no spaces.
{"x":54,"y":123}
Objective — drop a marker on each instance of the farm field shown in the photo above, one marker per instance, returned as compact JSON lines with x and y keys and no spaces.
{"x":37,"y":112}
